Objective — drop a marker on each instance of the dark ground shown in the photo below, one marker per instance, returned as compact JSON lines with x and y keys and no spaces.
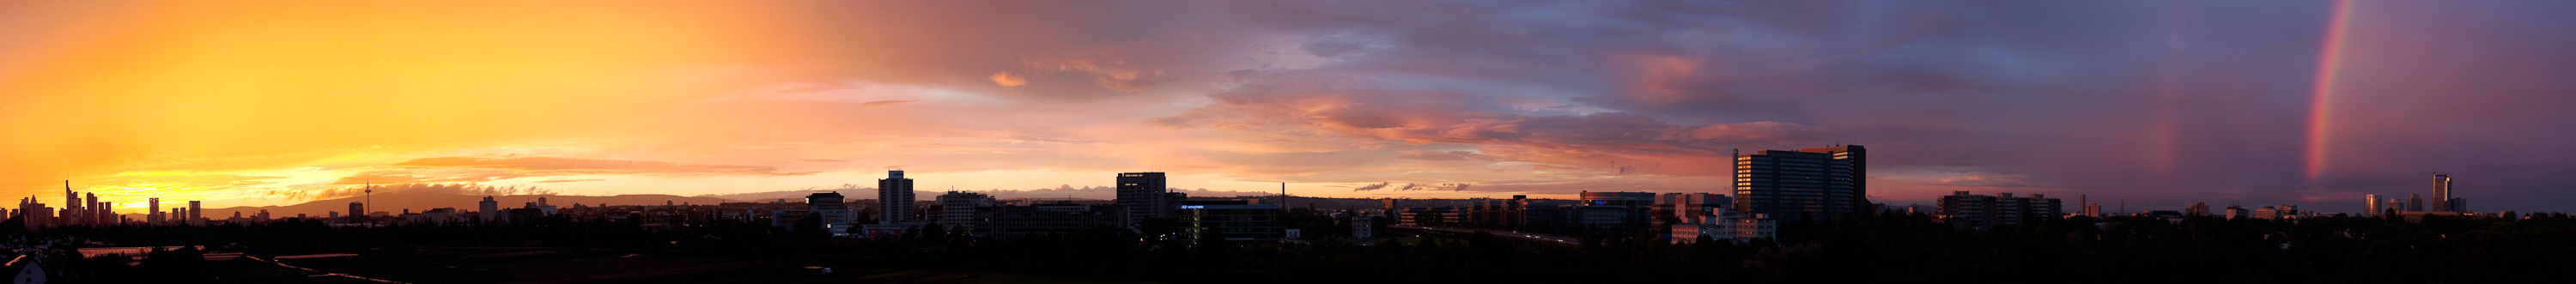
{"x":542,"y":265}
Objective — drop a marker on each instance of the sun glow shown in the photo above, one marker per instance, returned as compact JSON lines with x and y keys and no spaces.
{"x":206,"y":91}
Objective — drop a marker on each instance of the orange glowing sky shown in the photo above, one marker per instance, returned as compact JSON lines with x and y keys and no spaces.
{"x":280,"y":102}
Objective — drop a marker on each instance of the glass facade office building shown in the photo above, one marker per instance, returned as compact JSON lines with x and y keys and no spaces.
{"x":1816,"y":182}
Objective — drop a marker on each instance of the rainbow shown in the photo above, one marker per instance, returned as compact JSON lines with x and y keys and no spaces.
{"x":2162,"y":133}
{"x":2321,"y":110}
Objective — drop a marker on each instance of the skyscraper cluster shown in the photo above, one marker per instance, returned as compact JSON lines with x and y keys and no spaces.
{"x":2442,"y":201}
{"x":85,"y":209}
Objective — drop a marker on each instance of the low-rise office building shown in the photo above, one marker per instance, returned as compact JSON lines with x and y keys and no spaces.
{"x":1605,"y":209}
{"x":959,"y":208}
{"x":1727,"y":226}
{"x":1231,"y":222}
{"x":1969,"y":210}
{"x":1044,"y":219}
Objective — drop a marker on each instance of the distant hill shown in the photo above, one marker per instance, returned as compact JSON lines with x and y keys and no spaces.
{"x":420,"y":202}
{"x":1059,"y":192}
{"x":791,"y":195}
{"x":1330,"y":203}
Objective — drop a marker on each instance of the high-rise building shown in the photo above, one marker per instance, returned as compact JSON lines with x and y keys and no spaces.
{"x":95,"y":213}
{"x":196,"y":211}
{"x":491,"y":210}
{"x":1858,"y":174}
{"x":894,"y":198}
{"x":1816,"y":182}
{"x":2033,"y":208}
{"x":2442,"y":192}
{"x":1968,"y":209}
{"x":36,"y":214}
{"x":2087,"y":207}
{"x":357,"y":211}
{"x":2414,"y":202}
{"x":1360,"y":228}
{"x":1390,"y":207}
{"x":2196,"y":209}
{"x":155,"y":217}
{"x":72,"y":206}
{"x":2370,"y":205}
{"x":1146,"y":196}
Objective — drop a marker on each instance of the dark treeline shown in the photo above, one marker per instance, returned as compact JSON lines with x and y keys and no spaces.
{"x":1853,"y":248}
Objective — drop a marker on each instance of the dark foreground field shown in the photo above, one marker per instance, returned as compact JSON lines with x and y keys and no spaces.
{"x":1867,"y":248}
{"x":542,"y":265}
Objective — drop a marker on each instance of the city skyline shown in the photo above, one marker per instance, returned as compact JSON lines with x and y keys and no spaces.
{"x":2163,"y":104}
{"x":1755,"y":167}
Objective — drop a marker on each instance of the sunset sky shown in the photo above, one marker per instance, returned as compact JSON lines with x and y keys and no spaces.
{"x":2159,"y":103}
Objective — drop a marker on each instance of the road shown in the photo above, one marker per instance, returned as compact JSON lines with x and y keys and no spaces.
{"x":1508,"y":234}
